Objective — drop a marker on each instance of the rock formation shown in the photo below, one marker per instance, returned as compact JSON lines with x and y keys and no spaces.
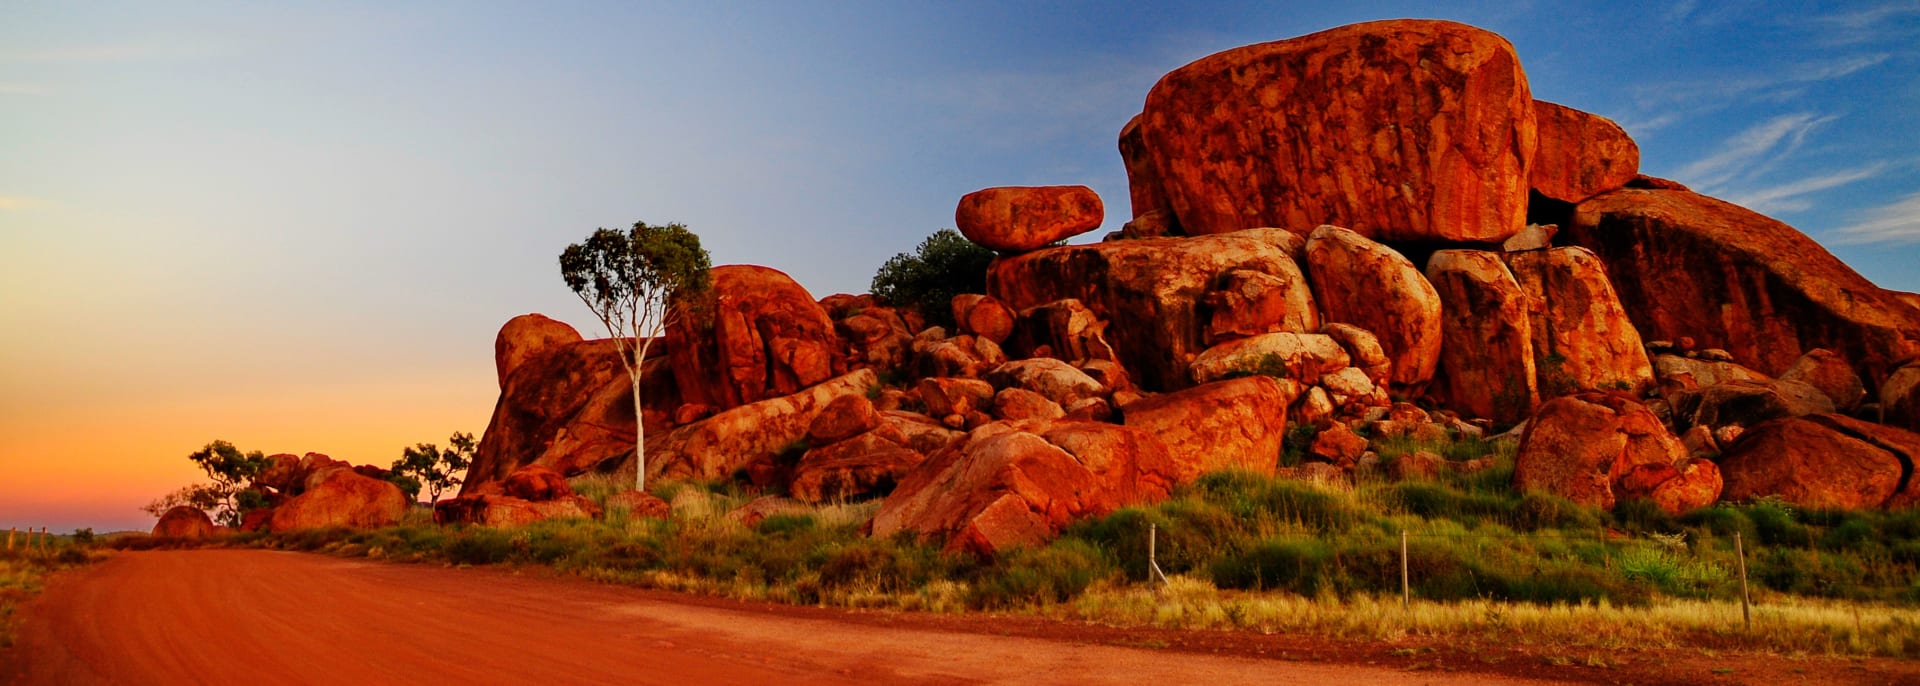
{"x":184,"y":521}
{"x":341,"y":497}
{"x":1579,"y":155}
{"x":1022,"y":219}
{"x":1366,"y":284}
{"x":756,"y":335}
{"x":1824,"y":461}
{"x":1486,"y":354}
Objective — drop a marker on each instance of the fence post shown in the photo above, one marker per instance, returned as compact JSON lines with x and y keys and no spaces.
{"x":1746,"y":599}
{"x":1153,"y":554}
{"x":1406,"y":595}
{"x":10,"y":532}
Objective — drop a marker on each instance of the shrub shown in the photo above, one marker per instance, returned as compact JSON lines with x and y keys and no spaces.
{"x":1025,"y":576}
{"x":944,"y":265}
{"x":1297,"y":565}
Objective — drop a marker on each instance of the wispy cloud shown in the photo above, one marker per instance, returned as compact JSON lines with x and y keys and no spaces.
{"x":1752,"y":149}
{"x":1898,"y":222}
{"x":1762,"y":86}
{"x":1791,"y":197}
{"x":1891,"y":21}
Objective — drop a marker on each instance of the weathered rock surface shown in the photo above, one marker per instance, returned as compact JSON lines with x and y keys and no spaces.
{"x":1144,"y":188}
{"x":1487,"y":359}
{"x":525,"y":337}
{"x":342,"y":498}
{"x":1063,"y":329}
{"x":1747,"y":403}
{"x":1583,"y":339}
{"x":1900,"y":397}
{"x":1428,"y":138}
{"x":1236,"y":424}
{"x":1017,"y":219}
{"x":1823,"y":461}
{"x":1687,"y":265}
{"x":1249,"y":303}
{"x":184,"y":521}
{"x":983,"y":316}
{"x":1357,"y":281}
{"x":843,"y":418}
{"x":1018,"y":483}
{"x":1827,"y":371}
{"x":505,"y":511}
{"x":1151,"y":289}
{"x":1302,"y":357}
{"x":1579,"y":446}
{"x":949,"y":396}
{"x":1363,"y":349}
{"x":729,"y":441}
{"x":1579,"y":155}
{"x":1055,"y":380}
{"x":536,"y":482}
{"x":864,"y":465}
{"x":756,"y":335}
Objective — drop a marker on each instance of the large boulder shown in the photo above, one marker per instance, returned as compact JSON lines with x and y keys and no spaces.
{"x":569,"y":407}
{"x":1152,"y":289}
{"x":1487,"y":360}
{"x":867,"y":464}
{"x":1143,"y":182}
{"x":1686,"y":265}
{"x":1366,"y":284}
{"x":1823,"y":461}
{"x":1827,"y":371}
{"x":1017,"y":219}
{"x":1579,"y":155}
{"x":1236,"y":424}
{"x":730,"y":441}
{"x":757,"y":334}
{"x":1900,"y":397}
{"x":1010,"y":484}
{"x":184,"y":521}
{"x":1580,"y":447}
{"x":506,"y":511}
{"x":538,"y":483}
{"x":1401,"y":130}
{"x":1746,"y":403}
{"x":981,"y":315}
{"x":342,"y":498}
{"x":1582,"y":337}
{"x":1303,"y":357}
{"x":524,"y":337}
{"x":1062,"y":329}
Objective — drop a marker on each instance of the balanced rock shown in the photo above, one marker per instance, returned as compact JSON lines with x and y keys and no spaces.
{"x":1402,"y":130}
{"x":1236,"y":424}
{"x":756,"y":334}
{"x":342,"y":497}
{"x":1018,"y":483}
{"x":1249,"y":303}
{"x":1152,"y":289}
{"x":1823,"y":461}
{"x":184,"y":521}
{"x":1017,"y":219}
{"x":1366,"y":284}
{"x":1689,"y":265}
{"x":1487,"y":360}
{"x":1579,"y":155}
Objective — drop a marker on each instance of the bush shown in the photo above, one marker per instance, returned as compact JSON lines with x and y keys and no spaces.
{"x":1025,"y":576}
{"x":1297,"y":565}
{"x":946,"y":264}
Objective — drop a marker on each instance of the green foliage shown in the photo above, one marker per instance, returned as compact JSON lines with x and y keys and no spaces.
{"x":1269,"y":364}
{"x":432,"y":467}
{"x":944,"y":265}
{"x":228,"y":497}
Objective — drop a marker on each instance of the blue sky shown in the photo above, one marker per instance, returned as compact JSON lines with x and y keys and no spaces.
{"x":298,"y":226}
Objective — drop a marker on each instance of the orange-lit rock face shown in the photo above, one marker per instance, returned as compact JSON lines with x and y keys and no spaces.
{"x":342,"y":498}
{"x":1580,"y":155}
{"x":1017,"y":219}
{"x":183,"y":521}
{"x":1400,"y":130}
{"x":524,"y":337}
{"x":1823,"y":461}
{"x":1486,"y":361}
{"x":1236,"y":424}
{"x":1690,"y":266}
{"x":1584,"y":448}
{"x":1582,"y":337}
{"x":760,"y":335}
{"x":1366,"y":284}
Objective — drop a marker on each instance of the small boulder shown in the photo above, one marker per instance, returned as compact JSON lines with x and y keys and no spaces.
{"x":844,"y":417}
{"x":1250,"y":303}
{"x":638,"y":505}
{"x":1020,"y":403}
{"x":1299,"y":356}
{"x":340,"y":497}
{"x":1419,"y":465}
{"x":1236,"y":424}
{"x":859,"y":467}
{"x":1579,"y":446}
{"x":1369,"y":285}
{"x":1487,"y":359}
{"x":1056,"y":380}
{"x":1338,"y":445}
{"x":505,"y":511}
{"x":184,"y":521}
{"x":1363,"y":349}
{"x":947,"y":396}
{"x":1062,"y":329}
{"x":1017,"y":219}
{"x":983,"y":316}
{"x":1827,"y":371}
{"x":537,"y":483}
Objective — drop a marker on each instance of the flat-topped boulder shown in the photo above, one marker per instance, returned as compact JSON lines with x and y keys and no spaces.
{"x":1401,"y":130}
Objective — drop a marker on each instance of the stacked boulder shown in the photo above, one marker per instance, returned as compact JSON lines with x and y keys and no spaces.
{"x":533,"y":493}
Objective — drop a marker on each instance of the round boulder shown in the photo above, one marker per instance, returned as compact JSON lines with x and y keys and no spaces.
{"x":1017,"y":219}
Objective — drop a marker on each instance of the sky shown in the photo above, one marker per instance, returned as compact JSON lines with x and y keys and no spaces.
{"x":298,"y":226}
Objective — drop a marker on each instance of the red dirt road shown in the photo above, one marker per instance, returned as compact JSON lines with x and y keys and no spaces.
{"x":249,"y":616}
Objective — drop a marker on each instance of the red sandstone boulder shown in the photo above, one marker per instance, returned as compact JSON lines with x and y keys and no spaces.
{"x":525,"y":337}
{"x":756,"y":335}
{"x":843,"y":418}
{"x":1017,"y":219}
{"x":1402,"y":130}
{"x":1747,"y":403}
{"x":184,"y":521}
{"x":1827,"y":371}
{"x":935,"y":355}
{"x":1366,"y":284}
{"x":1020,"y":403}
{"x":1303,"y":357}
{"x":638,"y":505}
{"x":1249,"y":303}
{"x":1013,"y":484}
{"x":948,"y":396}
{"x":1582,"y":337}
{"x":1363,"y":349}
{"x":1237,"y":424}
{"x":876,"y":337}
{"x":1064,"y":330}
{"x":1580,"y":446}
{"x":282,"y":473}
{"x":862,"y":466}
{"x":983,"y":316}
{"x":1900,"y":397}
{"x":1823,"y":461}
{"x":1144,"y":189}
{"x":1579,"y":155}
{"x":1687,"y":265}
{"x":1338,"y":445}
{"x":341,"y":497}
{"x":729,"y":441}
{"x":1487,"y":359}
{"x":535,"y":482}
{"x":1152,"y":289}
{"x":505,"y":511}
